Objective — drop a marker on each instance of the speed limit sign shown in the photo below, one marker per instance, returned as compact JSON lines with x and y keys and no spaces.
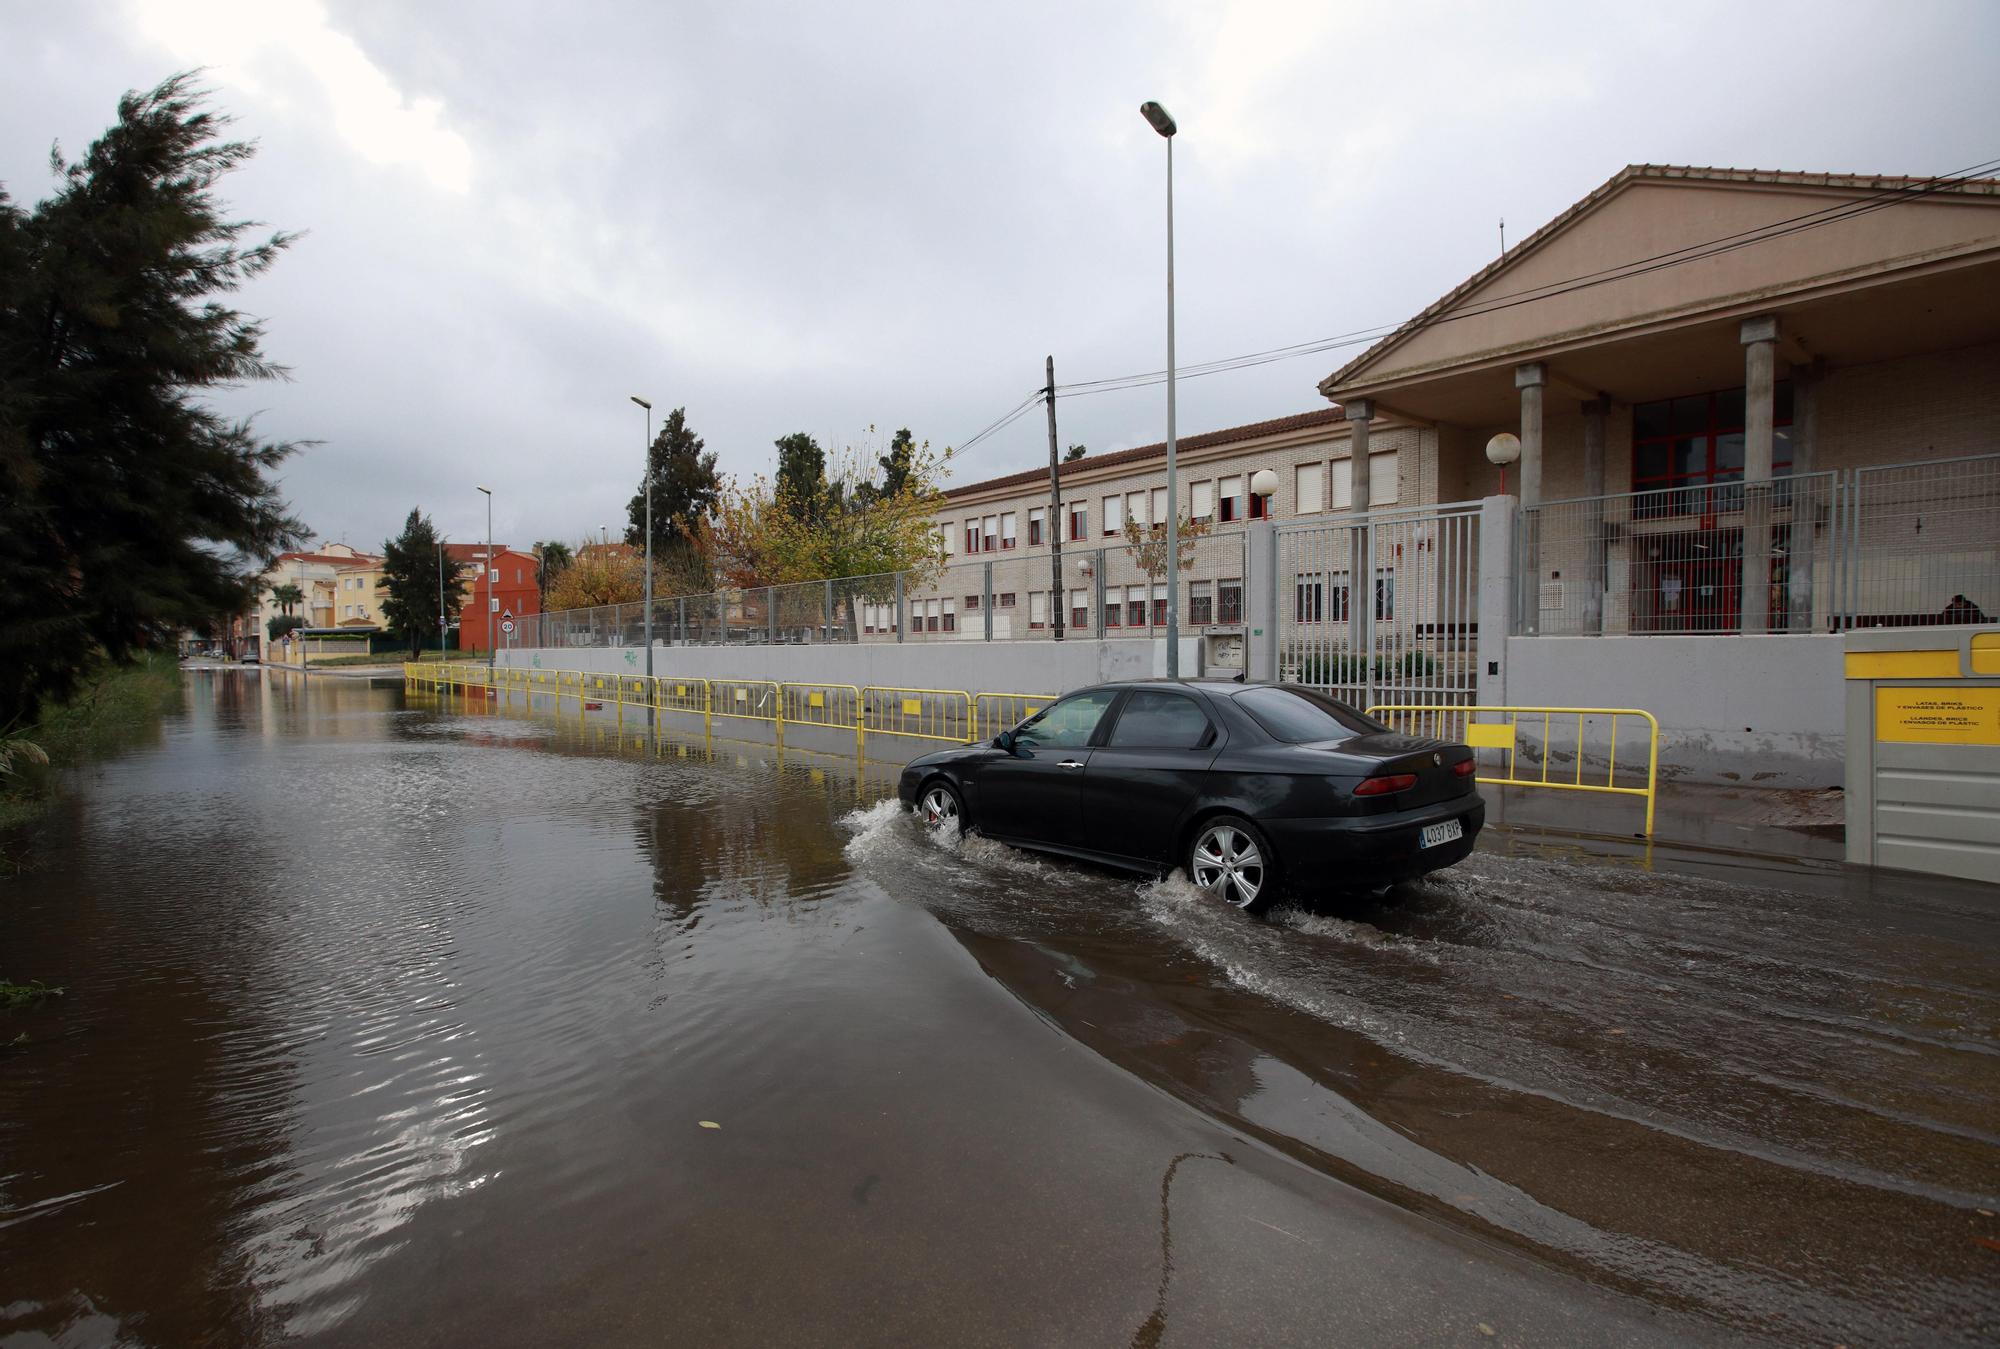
{"x":508,"y":627}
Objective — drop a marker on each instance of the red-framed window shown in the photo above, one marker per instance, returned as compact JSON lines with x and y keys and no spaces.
{"x":1079,"y":612}
{"x":1113,"y":614}
{"x":1260,"y":506}
{"x":1696,"y":441}
{"x":1079,"y":522}
{"x":1159,"y":611}
{"x":1034,"y":529}
{"x":971,"y":536}
{"x":1004,"y":600}
{"x":971,"y":602}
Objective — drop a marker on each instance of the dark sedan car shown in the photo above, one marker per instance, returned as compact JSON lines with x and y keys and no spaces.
{"x":1249,"y":787}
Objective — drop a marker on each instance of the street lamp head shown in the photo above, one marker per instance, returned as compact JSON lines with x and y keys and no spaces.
{"x":642,"y":402}
{"x":1162,"y":120}
{"x":1503,"y":449}
{"x":1263,"y":482}
{"x":487,"y":490}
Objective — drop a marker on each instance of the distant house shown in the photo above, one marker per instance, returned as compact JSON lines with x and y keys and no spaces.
{"x":317,"y":573}
{"x":494,"y":587}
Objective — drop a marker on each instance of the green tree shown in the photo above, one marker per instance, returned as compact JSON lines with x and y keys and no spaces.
{"x":801,"y":487}
{"x":1074,"y":453}
{"x":686,"y":487}
{"x":415,"y":570}
{"x":129,"y":509}
{"x":555,"y":555}
{"x":897,"y":464}
{"x":286,"y":596}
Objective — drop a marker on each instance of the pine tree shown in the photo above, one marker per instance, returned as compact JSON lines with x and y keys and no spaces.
{"x":411,"y":583}
{"x":685,"y":487}
{"x":801,"y":481}
{"x":128,"y":509}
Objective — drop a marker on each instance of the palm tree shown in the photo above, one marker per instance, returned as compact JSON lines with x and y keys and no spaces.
{"x":287,"y":595}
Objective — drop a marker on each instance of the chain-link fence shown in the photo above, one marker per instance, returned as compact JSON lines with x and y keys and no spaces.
{"x":1114,"y":590}
{"x":1896,"y":545}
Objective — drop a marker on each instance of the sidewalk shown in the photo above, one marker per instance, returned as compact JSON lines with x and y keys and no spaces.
{"x":1796,"y":824}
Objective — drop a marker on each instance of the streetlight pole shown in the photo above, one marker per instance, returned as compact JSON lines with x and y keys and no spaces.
{"x":649,"y":531}
{"x":490,"y":605}
{"x":1162,"y":121}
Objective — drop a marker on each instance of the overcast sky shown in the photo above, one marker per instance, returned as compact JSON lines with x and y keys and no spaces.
{"x":825,"y":217}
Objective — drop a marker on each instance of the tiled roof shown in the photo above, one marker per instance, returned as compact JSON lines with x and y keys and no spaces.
{"x":1666,"y":173}
{"x":331,"y":559}
{"x":1255,"y":430}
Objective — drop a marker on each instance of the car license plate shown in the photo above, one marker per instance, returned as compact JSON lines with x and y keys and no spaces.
{"x":1435,"y":834}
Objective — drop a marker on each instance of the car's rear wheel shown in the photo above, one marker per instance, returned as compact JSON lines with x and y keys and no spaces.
{"x":939,"y":804}
{"x":1230,"y":857}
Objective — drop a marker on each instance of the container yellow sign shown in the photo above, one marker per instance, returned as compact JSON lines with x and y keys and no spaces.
{"x":1947,"y":716}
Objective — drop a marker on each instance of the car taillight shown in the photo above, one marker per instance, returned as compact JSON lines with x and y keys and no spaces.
{"x":1465,"y":768}
{"x":1395,"y":782}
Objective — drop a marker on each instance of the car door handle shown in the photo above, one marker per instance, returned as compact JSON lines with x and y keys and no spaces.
{"x":1069,"y":763}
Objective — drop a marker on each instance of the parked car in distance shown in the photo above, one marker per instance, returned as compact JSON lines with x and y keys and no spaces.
{"x":250,"y":658}
{"x":1251,"y":788}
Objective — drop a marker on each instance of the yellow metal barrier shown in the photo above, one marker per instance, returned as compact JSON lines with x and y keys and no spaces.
{"x":834,"y":706}
{"x":751,"y":699}
{"x":993,"y":713}
{"x":673,"y":693}
{"x":635,"y":689}
{"x":924,"y":714}
{"x":1461,"y":723}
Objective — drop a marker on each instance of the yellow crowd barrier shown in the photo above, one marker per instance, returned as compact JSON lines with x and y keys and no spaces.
{"x":951,"y":715}
{"x":1465,"y":723}
{"x":993,"y":713}
{"x":921,"y":714}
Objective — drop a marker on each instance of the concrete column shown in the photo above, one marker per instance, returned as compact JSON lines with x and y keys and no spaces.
{"x":1261,"y":600}
{"x":1497,"y":589}
{"x":1531,"y":379}
{"x":1595,"y":412}
{"x":1760,"y":365}
{"x":1360,"y":570}
{"x":1360,"y":411}
{"x":1810,"y":500}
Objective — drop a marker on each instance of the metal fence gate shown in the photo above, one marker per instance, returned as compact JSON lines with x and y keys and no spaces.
{"x":1409,"y":632}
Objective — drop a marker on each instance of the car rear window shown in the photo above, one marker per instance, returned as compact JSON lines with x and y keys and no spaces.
{"x":1302,"y":716}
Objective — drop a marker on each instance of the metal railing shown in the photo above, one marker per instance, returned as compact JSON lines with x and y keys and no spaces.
{"x":1899,"y":545}
{"x":1592,"y":747}
{"x":950,"y":715}
{"x":1409,"y":632}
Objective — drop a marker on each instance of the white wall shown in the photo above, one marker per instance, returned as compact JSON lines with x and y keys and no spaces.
{"x":1769,"y":711}
{"x":975,"y":667}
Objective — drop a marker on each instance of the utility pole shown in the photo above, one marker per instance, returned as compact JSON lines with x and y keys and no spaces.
{"x":441,"y":622}
{"x":1058,"y":599}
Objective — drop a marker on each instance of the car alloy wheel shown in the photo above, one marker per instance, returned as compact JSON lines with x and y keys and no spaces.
{"x":938,"y":805}
{"x":1229,"y":860}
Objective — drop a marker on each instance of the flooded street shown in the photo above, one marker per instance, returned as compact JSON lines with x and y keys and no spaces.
{"x":396,"y":1018}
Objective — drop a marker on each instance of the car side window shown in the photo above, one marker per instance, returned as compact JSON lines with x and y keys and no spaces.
{"x":1068,"y":724}
{"x":1152,"y":719}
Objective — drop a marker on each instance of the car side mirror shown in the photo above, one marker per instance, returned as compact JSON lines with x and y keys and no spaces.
{"x":1004,"y":740}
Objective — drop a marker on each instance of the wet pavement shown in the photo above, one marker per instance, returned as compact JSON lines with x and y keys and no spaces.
{"x":397,"y":1019}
